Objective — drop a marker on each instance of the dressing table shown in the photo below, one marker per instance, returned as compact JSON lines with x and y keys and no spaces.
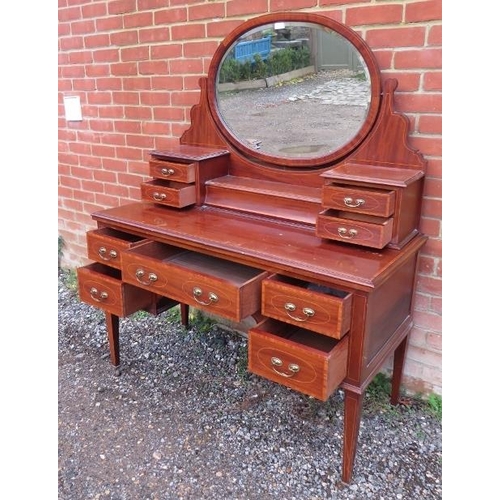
{"x":315,"y":238}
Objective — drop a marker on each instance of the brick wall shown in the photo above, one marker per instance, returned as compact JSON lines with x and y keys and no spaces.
{"x":135,"y":65}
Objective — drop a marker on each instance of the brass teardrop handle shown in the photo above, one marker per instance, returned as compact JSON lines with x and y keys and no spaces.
{"x":159,"y":196}
{"x":198,"y":292}
{"x":292,"y":367}
{"x":151,"y":278}
{"x":347,"y":234}
{"x":349,"y":202}
{"x":103,"y":251}
{"x":98,"y":297}
{"x":167,"y":171}
{"x":291,"y":307}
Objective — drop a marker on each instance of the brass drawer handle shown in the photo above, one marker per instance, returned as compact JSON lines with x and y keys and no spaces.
{"x":167,"y":171}
{"x":348,"y":235}
{"x":349,"y":202}
{"x":159,"y":196}
{"x":198,"y":292}
{"x":98,"y":297}
{"x":307,"y":311}
{"x":277,"y":362}
{"x":140,"y":273}
{"x":103,"y":251}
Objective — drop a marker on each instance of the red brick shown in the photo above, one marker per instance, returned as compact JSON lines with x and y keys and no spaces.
{"x":153,"y":68}
{"x":429,"y":10}
{"x":71,"y":43}
{"x":428,"y":284}
{"x":94,"y":10}
{"x":430,"y":58}
{"x":170,"y":16}
{"x":129,"y":98}
{"x":69,"y":14}
{"x":168,"y":114}
{"x":430,"y":124}
{"x":136,"y":84}
{"x":169,"y":51}
{"x":407,"y":82}
{"x":433,"y":81}
{"x":106,"y":55}
{"x":138,"y":20}
{"x":188,"y":32}
{"x":121,"y":6}
{"x":134,"y":54}
{"x":103,"y":150}
{"x":109,"y":23}
{"x":97,"y":70}
{"x":110,"y":112}
{"x":155,"y":99}
{"x":140,"y":141}
{"x":396,"y":37}
{"x":186,"y":66}
{"x":221,"y":28}
{"x":378,"y":14}
{"x":200,"y":49}
{"x":324,"y":3}
{"x":208,"y":11}
{"x":130,"y":37}
{"x":238,"y":8}
{"x":99,"y":40}
{"x":287,"y":5}
{"x":435,"y":35}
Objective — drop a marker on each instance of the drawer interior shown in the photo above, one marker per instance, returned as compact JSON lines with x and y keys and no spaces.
{"x":313,"y":287}
{"x":297,"y":335}
{"x":231,"y":272}
{"x":119,"y":235}
{"x":99,"y":268}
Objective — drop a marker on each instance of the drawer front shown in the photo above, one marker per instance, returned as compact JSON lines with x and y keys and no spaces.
{"x":375,"y":235}
{"x":166,"y":170}
{"x":307,"y":362}
{"x":223,"y":288}
{"x":106,"y":245}
{"x":327,"y":312}
{"x":366,"y":201}
{"x":101,"y":286}
{"x":173,"y":194}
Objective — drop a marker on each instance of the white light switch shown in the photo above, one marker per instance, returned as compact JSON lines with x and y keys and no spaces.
{"x":72,"y":108}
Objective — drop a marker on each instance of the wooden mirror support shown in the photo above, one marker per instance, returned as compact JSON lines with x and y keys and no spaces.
{"x":321,"y":254}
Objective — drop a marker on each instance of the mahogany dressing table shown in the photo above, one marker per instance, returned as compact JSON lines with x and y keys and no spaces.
{"x":319,"y":244}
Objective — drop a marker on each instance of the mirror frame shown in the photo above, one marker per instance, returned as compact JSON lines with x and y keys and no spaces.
{"x":325,"y":22}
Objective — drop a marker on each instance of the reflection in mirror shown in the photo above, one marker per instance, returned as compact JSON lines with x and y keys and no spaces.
{"x":293,"y":89}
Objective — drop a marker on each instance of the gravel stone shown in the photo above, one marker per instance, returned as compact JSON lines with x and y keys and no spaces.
{"x":183,"y":419}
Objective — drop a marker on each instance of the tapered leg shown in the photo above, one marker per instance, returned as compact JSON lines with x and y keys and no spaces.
{"x":353,"y":404}
{"x":113,"y":327}
{"x":184,"y":314}
{"x":397,"y":374}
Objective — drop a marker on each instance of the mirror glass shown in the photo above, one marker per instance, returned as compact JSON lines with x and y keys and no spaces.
{"x":293,"y":90}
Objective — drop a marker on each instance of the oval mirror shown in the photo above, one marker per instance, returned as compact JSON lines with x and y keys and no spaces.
{"x":294,"y":89}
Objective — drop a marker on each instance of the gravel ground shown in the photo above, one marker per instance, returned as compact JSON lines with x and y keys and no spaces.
{"x":185,"y":420}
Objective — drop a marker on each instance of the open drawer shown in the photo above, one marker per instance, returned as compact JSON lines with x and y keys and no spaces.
{"x":106,"y":245}
{"x":219,"y":286}
{"x":302,"y":360}
{"x":101,"y":286}
{"x":318,"y":308}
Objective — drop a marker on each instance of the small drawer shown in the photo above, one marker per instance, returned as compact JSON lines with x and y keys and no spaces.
{"x":101,"y":286}
{"x":367,"y":231}
{"x":171,"y":193}
{"x":106,"y":245}
{"x":166,"y":170}
{"x":361,"y":200}
{"x":320,"y":309}
{"x":221,"y":287}
{"x":307,"y":362}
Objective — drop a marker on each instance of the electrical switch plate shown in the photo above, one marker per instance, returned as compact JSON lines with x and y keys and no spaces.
{"x":72,"y":108}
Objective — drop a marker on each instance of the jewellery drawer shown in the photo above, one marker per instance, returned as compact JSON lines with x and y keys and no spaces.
{"x":297,"y":358}
{"x":362,"y":200}
{"x":373,"y":232}
{"x":222,"y":287}
{"x":171,"y":193}
{"x":182,"y":172}
{"x":106,"y":245}
{"x":321,"y":309}
{"x":101,"y":286}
